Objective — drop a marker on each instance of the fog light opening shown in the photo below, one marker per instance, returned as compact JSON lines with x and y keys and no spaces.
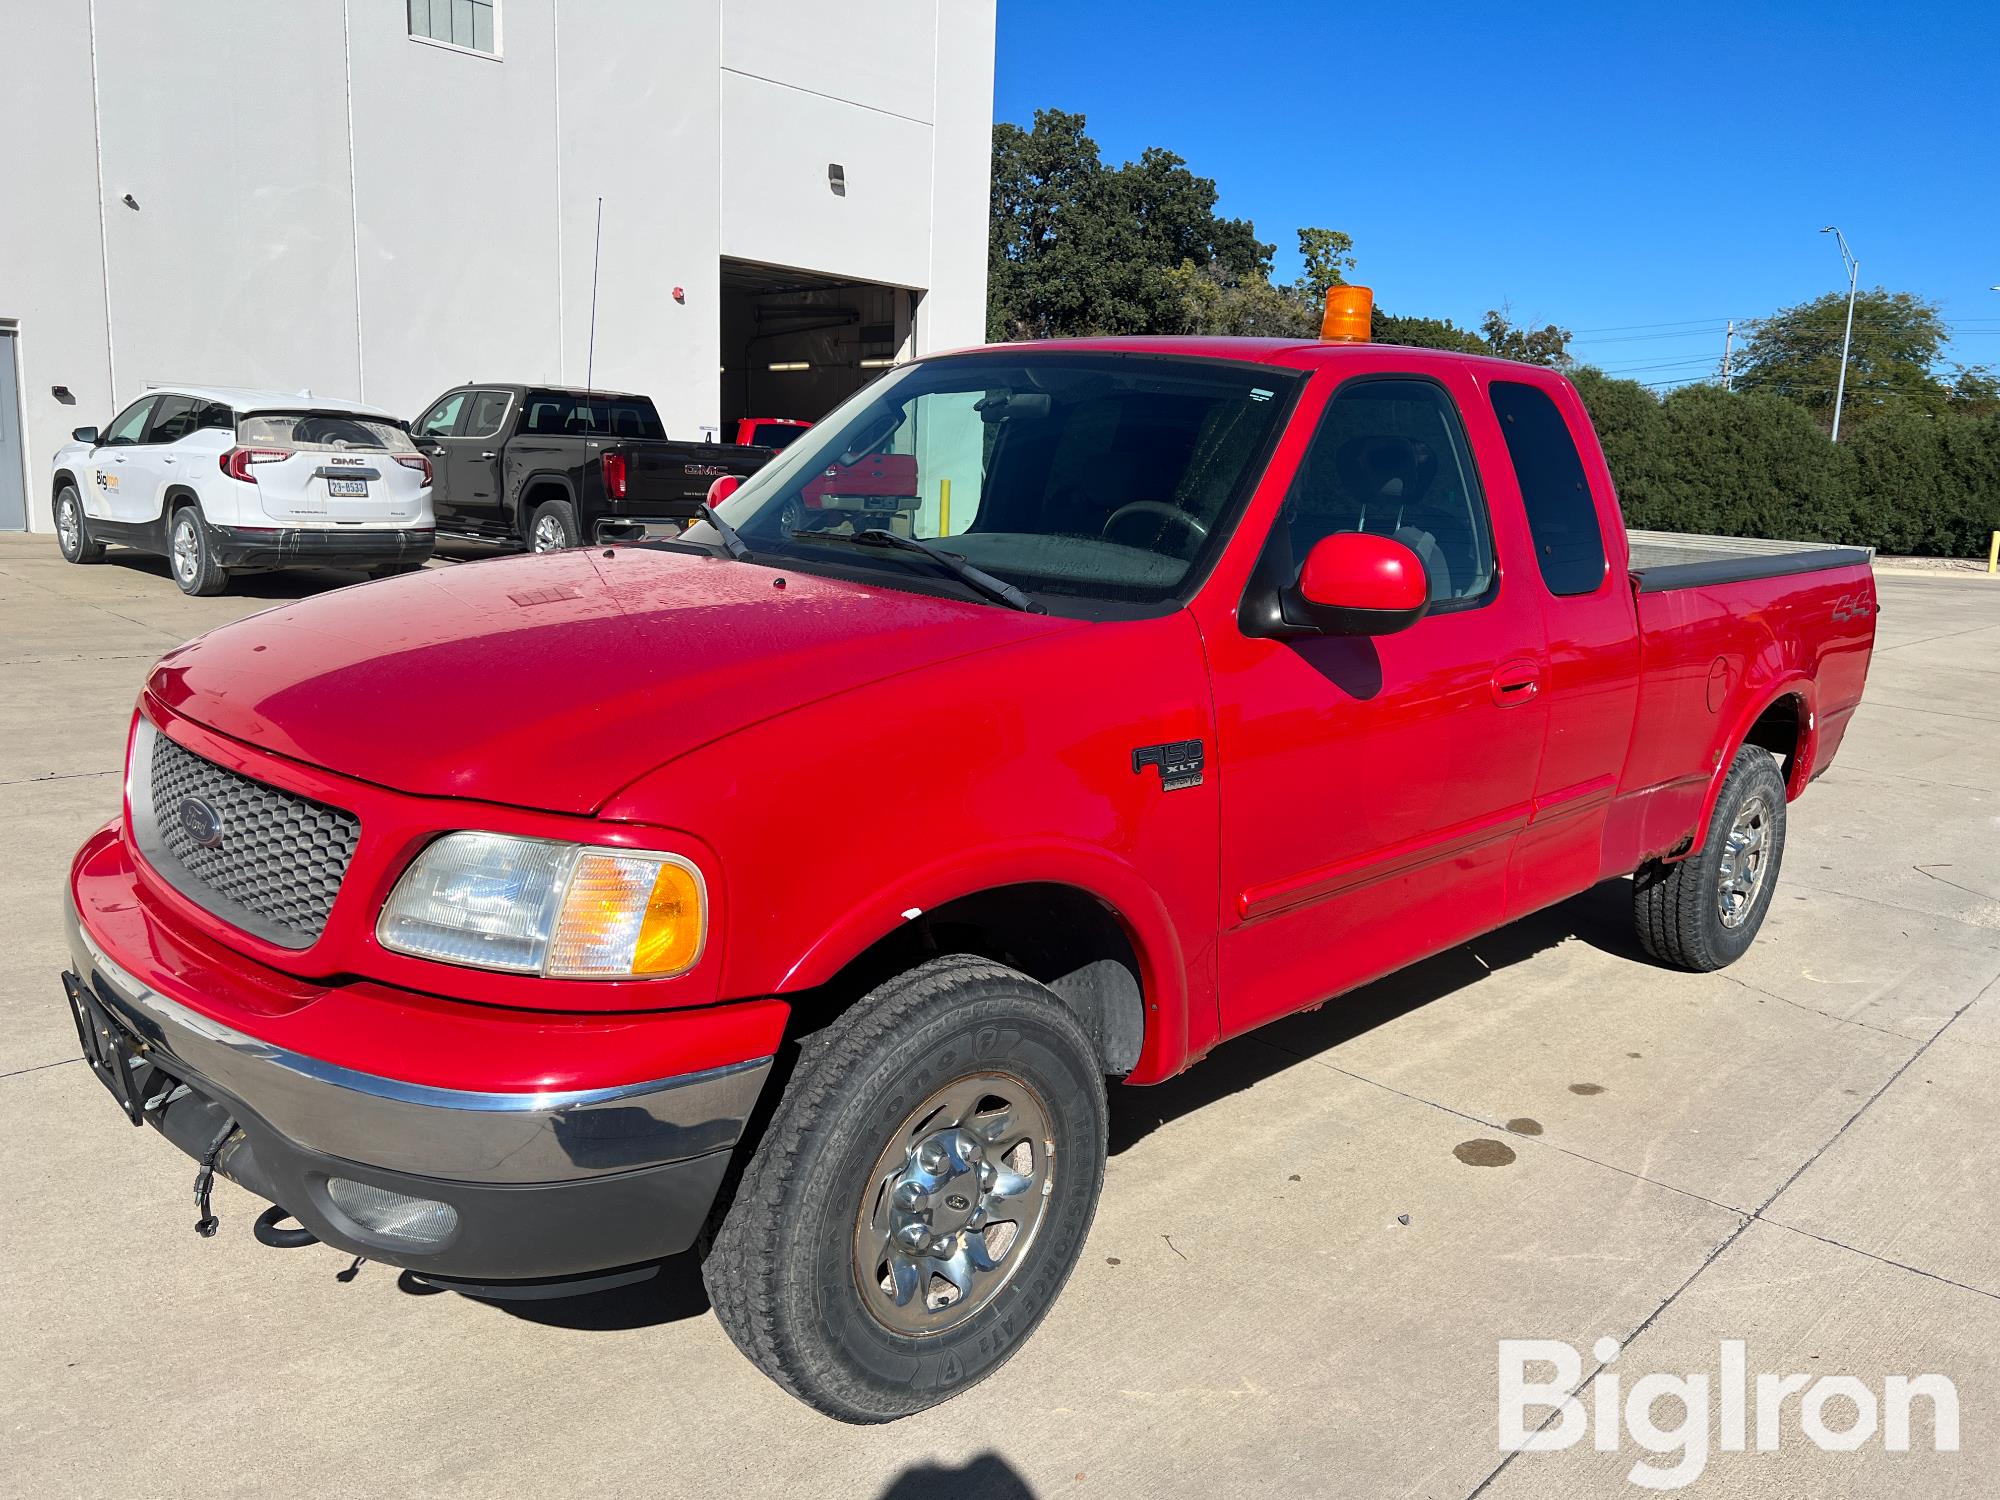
{"x":422,"y":1221}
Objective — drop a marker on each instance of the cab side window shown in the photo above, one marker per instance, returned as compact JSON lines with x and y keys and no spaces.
{"x":129,"y":426}
{"x":1562,"y":516}
{"x":489,"y":410}
{"x":1390,"y":458}
{"x":442,"y":418}
{"x":173,"y":419}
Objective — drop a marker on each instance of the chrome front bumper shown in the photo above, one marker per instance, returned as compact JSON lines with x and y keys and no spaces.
{"x":409,"y":1127}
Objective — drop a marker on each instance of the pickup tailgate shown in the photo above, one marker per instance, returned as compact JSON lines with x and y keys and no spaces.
{"x":1726,"y":626}
{"x":669,"y":479}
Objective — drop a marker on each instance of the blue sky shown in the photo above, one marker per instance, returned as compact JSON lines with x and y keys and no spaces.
{"x":1602,"y":166}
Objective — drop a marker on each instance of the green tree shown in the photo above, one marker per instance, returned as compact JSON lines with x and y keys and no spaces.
{"x":1751,"y":464}
{"x":1425,"y":333}
{"x":1078,"y":247}
{"x":1329,"y":256}
{"x":1896,"y":359}
{"x":1531,"y":346}
{"x":1209,"y":302}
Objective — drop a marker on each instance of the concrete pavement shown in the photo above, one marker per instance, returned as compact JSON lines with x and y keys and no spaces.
{"x":1297,"y":1280}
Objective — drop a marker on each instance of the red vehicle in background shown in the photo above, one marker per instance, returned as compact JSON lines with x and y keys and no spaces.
{"x":799,"y":890}
{"x":769,"y":432}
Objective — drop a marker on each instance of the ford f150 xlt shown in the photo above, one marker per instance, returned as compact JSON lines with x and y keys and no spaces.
{"x":792,"y":893}
{"x":550,"y":468}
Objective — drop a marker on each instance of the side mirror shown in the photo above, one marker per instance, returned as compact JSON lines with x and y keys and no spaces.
{"x":83,"y":435}
{"x":723,"y":487}
{"x":1353,"y":583}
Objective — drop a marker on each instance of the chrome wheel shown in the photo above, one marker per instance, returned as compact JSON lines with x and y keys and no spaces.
{"x":549,"y":535}
{"x":1743,"y":860}
{"x":187,"y":550}
{"x":69,"y":526}
{"x":952,"y":1205}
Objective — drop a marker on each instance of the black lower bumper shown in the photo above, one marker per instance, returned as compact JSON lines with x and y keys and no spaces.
{"x":321,"y":547}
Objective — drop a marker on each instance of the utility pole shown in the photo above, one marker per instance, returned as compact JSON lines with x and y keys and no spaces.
{"x":1853,"y":281}
{"x":1728,"y":342}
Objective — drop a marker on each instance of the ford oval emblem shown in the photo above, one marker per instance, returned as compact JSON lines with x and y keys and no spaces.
{"x":200,"y":822}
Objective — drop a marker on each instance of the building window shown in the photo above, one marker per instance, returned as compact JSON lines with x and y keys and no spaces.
{"x":470,"y":24}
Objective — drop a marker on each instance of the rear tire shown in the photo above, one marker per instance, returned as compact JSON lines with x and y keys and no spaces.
{"x":191,"y":555}
{"x":73,"y":529}
{"x":1702,"y":912}
{"x":553,"y":528}
{"x":920,"y":1196}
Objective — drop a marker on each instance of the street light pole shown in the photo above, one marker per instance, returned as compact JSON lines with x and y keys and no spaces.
{"x":1853,"y":282}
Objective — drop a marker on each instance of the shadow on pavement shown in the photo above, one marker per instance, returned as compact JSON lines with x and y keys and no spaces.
{"x":1601,"y":917}
{"x":987,"y":1476}
{"x":676,"y":1293}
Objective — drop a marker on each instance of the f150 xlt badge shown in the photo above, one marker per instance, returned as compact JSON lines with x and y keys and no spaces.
{"x":1179,"y":761}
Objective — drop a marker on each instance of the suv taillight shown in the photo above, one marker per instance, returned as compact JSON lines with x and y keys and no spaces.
{"x":418,"y":462}
{"x":237,"y":461}
{"x":614,"y":475}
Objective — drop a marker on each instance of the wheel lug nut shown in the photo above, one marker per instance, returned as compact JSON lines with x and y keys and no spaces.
{"x":909,"y":1196}
{"x":931,"y":1156}
{"x":914,"y":1238}
{"x":988,"y":1173}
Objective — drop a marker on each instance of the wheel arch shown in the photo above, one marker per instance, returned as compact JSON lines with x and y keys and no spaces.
{"x":1112,"y":958}
{"x":537,"y":489}
{"x":1780,"y":719}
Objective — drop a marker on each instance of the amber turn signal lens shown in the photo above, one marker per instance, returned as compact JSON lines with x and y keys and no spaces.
{"x":1349,"y":311}
{"x":627,"y":914}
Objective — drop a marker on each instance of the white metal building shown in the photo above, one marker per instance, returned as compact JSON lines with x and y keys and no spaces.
{"x":376,"y":199}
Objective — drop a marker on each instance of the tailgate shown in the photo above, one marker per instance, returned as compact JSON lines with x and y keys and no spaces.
{"x":331,"y":469}
{"x":673,"y":478}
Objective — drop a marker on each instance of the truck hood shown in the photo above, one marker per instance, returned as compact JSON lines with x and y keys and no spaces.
{"x":551,"y":682}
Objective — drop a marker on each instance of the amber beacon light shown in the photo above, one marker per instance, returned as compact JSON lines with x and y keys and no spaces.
{"x":1348,"y":310}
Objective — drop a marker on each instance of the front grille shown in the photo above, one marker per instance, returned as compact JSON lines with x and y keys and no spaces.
{"x":278,"y":861}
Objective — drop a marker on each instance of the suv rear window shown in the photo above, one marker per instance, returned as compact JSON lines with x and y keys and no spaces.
{"x":319,"y":429}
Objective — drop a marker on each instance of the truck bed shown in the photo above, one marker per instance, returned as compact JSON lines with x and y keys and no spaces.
{"x":1682,"y":560}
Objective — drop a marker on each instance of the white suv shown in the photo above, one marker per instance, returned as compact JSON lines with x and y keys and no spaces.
{"x":220,"y":481}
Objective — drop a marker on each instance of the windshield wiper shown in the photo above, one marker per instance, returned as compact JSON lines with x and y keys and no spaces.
{"x":993,"y":588}
{"x":732,"y":543}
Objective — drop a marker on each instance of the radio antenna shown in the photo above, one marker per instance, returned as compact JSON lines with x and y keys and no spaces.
{"x":596,"y":253}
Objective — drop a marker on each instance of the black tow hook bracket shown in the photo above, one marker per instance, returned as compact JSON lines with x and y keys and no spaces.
{"x":268,"y":1233}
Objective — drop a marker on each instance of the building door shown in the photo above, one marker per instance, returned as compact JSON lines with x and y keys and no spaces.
{"x":13,"y":497}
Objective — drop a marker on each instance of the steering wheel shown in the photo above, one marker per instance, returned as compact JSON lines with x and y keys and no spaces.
{"x":1161,"y":510}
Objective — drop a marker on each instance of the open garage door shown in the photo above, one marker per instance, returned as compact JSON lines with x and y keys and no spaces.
{"x":795,"y":344}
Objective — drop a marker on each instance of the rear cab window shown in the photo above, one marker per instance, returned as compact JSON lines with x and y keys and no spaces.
{"x":1555,"y":492}
{"x":556,"y":413}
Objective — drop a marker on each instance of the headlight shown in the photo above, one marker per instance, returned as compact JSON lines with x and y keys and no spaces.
{"x":570,"y":911}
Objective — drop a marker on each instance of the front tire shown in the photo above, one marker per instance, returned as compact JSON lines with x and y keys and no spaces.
{"x":73,"y":530}
{"x":191,"y":555}
{"x":920,"y":1196}
{"x":1702,"y":912}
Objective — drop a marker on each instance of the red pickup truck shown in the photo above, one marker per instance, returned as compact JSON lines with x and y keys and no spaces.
{"x":792,"y":893}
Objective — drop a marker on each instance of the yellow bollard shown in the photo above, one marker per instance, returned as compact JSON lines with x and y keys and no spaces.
{"x":944,"y":511}
{"x":1993,"y":555}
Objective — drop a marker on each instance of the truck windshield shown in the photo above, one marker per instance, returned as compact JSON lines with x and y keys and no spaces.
{"x":1105,"y":477}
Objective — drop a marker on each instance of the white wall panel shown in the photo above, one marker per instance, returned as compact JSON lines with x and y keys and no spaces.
{"x":777,"y":208}
{"x":876,"y":53}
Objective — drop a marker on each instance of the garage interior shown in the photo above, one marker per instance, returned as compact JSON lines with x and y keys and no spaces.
{"x":796,"y":344}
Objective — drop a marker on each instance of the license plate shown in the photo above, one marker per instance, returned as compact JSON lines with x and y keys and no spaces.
{"x":117,"y":1057}
{"x":354,"y":487}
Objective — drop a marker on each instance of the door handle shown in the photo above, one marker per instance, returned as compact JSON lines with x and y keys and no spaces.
{"x":1516,"y":682}
{"x":166,"y":458}
{"x":489,"y":455}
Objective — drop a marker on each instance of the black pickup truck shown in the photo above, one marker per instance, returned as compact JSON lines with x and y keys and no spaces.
{"x":548,"y":467}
